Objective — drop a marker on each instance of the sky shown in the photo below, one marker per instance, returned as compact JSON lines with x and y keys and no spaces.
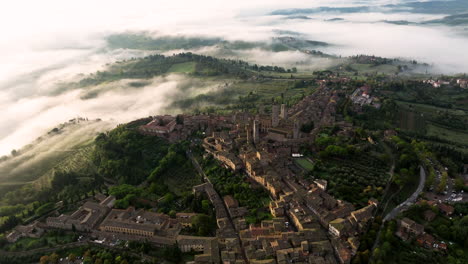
{"x":51,"y":41}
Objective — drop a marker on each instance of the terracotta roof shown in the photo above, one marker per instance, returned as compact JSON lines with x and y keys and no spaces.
{"x":447,"y":209}
{"x":230,"y":201}
{"x":429,"y":215}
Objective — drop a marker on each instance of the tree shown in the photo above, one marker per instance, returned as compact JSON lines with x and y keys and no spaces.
{"x":44,"y":260}
{"x":72,"y":257}
{"x":10,"y":222}
{"x":202,"y":224}
{"x":377,"y":254}
{"x":443,"y":231}
{"x":14,"y":152}
{"x":172,"y":253}
{"x":172,"y":213}
{"x":206,"y":206}
{"x":54,"y":258}
{"x":87,"y":253}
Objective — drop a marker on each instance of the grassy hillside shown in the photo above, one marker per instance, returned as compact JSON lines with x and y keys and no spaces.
{"x":185,"y":67}
{"x":198,"y":65}
{"x":66,"y":147}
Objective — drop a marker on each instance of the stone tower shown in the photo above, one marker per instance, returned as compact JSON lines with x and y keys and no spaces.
{"x":284,"y":112}
{"x":296,"y":129}
{"x":248,"y":133}
{"x":256,"y":131}
{"x":275,"y":115}
{"x":234,"y":118}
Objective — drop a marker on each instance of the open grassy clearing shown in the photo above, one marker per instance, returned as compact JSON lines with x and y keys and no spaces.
{"x":268,"y":89}
{"x":304,"y":163}
{"x":369,"y":68}
{"x":186,"y":67}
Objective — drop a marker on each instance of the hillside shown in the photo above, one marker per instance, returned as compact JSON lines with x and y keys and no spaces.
{"x":65,"y":147}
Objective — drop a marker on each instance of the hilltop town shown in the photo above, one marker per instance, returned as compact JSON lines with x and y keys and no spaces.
{"x":317,"y":177}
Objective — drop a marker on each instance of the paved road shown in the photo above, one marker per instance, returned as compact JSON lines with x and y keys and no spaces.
{"x":412,"y":199}
{"x":404,"y":205}
{"x":198,"y":167}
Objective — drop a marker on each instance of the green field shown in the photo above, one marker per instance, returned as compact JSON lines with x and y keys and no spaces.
{"x":412,"y":121}
{"x":369,"y":68}
{"x":432,"y":110}
{"x":304,"y":163}
{"x":429,"y":120}
{"x":186,"y":67}
{"x":447,"y":134}
{"x":265,"y":90}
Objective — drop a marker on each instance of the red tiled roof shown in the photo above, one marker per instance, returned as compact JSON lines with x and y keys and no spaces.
{"x":448,"y":209}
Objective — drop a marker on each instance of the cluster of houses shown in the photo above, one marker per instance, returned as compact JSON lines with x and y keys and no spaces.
{"x":436,"y":83}
{"x":463,"y":83}
{"x":272,"y":238}
{"x":309,"y":224}
{"x":362,"y":96}
{"x":409,"y":229}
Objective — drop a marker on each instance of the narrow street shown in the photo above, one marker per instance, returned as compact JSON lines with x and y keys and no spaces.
{"x":207,"y":180}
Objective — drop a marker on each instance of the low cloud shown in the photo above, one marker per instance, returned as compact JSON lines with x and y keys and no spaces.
{"x":36,"y":158}
{"x":116,"y":102}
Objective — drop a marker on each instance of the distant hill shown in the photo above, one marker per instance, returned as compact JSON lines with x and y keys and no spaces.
{"x":454,"y":20}
{"x":144,"y":41}
{"x":429,"y":7}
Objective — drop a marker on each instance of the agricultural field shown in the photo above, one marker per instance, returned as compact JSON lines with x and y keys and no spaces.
{"x":412,"y":121}
{"x":353,"y":181}
{"x":265,"y":90}
{"x":447,"y":134}
{"x":432,"y":110}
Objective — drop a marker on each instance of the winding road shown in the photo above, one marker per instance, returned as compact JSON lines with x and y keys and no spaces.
{"x":404,"y":205}
{"x":411,"y":200}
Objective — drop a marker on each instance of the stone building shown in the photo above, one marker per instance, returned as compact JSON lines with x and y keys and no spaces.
{"x":275,"y":115}
{"x":140,"y":223}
